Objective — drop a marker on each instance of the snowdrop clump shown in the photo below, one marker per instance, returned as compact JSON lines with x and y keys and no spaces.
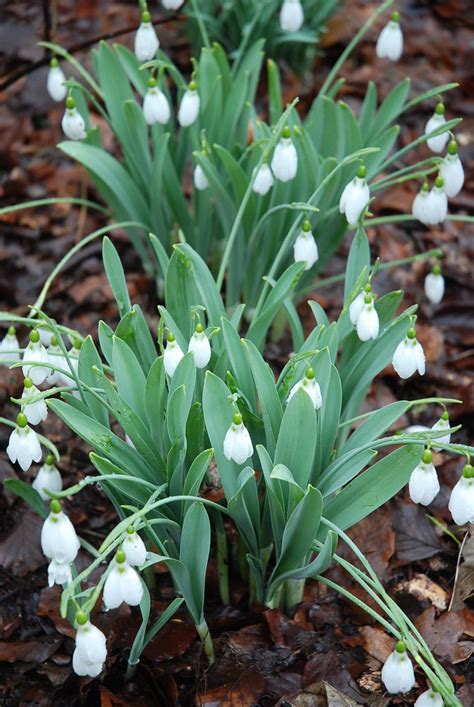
{"x":237,"y":443}
{"x":291,"y":15}
{"x":355,"y":197}
{"x":90,"y":651}
{"x":397,"y":673}
{"x":310,"y":386}
{"x":390,"y":41}
{"x":156,"y":108}
{"x":9,"y":346}
{"x":263,"y":180}
{"x":48,"y":479}
{"x":285,"y":158}
{"x":451,"y":171}
{"x":434,"y":285}
{"x":200,"y":347}
{"x":305,"y":248}
{"x":73,"y":124}
{"x":461,"y":502}
{"x":123,"y":583}
{"x":146,"y":39}
{"x":409,"y":356}
{"x":172,"y":355}
{"x":190,"y":105}
{"x":23,"y":446}
{"x":55,"y":82}
{"x":437,"y":143}
{"x":424,"y":485}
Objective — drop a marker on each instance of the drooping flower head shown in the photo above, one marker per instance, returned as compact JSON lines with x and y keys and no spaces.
{"x":9,"y":347}
{"x":285,"y":158}
{"x":397,"y":672}
{"x":291,"y":15}
{"x":355,"y":197}
{"x":310,"y":386}
{"x":36,"y":358}
{"x":146,"y":39}
{"x":357,"y":304}
{"x":409,"y":356}
{"x":23,"y":446}
{"x":90,"y":652}
{"x":436,"y":203}
{"x":367,"y":325}
{"x":434,"y":285}
{"x":461,"y":502}
{"x":437,"y":143}
{"x":305,"y":248}
{"x":55,"y":82}
{"x":200,"y":347}
{"x":123,"y":584}
{"x":189,"y":106}
{"x":200,"y":180}
{"x":442,"y":424}
{"x":156,"y":108}
{"x":263,"y":181}
{"x":35,"y":412}
{"x":429,"y":698}
{"x":451,"y":170}
{"x":390,"y":40}
{"x":134,"y":548}
{"x":48,"y":478}
{"x":237,"y":443}
{"x":424,"y":485}
{"x":73,"y":123}
{"x":58,"y":538}
{"x":172,"y":355}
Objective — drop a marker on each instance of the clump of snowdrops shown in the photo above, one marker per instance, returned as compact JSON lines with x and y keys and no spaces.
{"x":159,"y":410}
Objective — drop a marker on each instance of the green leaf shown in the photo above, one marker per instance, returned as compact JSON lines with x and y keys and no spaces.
{"x":28,"y":494}
{"x":116,"y":276}
{"x":129,"y":376}
{"x":296,"y":442}
{"x":359,"y":258}
{"x":89,"y":360}
{"x":239,"y":363}
{"x":194,"y":550}
{"x":376,"y":424}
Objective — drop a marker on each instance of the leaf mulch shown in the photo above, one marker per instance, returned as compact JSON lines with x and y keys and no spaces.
{"x":328,"y":652}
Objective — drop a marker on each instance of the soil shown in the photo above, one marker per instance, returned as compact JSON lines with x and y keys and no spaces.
{"x":327,"y":653}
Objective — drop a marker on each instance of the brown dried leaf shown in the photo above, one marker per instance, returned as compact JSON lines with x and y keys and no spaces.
{"x":464,"y":583}
{"x":423,"y":588}
{"x":443,"y":634}
{"x":20,"y":551}
{"x":29,"y":651}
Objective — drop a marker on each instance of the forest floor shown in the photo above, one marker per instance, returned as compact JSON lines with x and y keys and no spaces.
{"x":327,"y":653}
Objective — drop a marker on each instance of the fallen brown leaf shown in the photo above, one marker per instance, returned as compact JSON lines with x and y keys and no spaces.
{"x":21,"y":551}
{"x":29,"y":651}
{"x":423,"y":588}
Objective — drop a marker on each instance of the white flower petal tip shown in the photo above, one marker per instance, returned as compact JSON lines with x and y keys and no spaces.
{"x":48,"y":478}
{"x":291,"y":16}
{"x":172,"y":356}
{"x":156,"y":108}
{"x":423,"y":485}
{"x":429,"y":698}
{"x":451,"y":171}
{"x":200,"y":179}
{"x":172,"y":4}
{"x":461,"y":502}
{"x":368,"y":324}
{"x":442,"y":424}
{"x":285,"y":158}
{"x":55,"y":82}
{"x":434,"y":285}
{"x":310,"y":386}
{"x":200,"y":347}
{"x":263,"y":181}
{"x":59,"y":573}
{"x":305,"y":248}
{"x":91,"y":651}
{"x":437,"y":120}
{"x":237,"y":443}
{"x":356,"y":307}
{"x":58,"y":538}
{"x":134,"y":549}
{"x":146,"y":40}
{"x":9,"y":347}
{"x":123,"y":584}
{"x":36,"y":360}
{"x":436,"y":205}
{"x":409,"y":356}
{"x":189,"y":107}
{"x":420,"y":205}
{"x":23,"y":446}
{"x":355,"y":198}
{"x":73,"y":124}
{"x":35,"y":412}
{"x":390,"y":41}
{"x":397,"y":672}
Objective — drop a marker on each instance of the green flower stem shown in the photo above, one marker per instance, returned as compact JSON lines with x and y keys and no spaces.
{"x":432,"y":93}
{"x":206,"y":638}
{"x":295,"y":206}
{"x":52,"y":200}
{"x":401,"y":218}
{"x":390,"y":182}
{"x":88,"y":480}
{"x":351,"y":46}
{"x":201,"y":24}
{"x":29,"y":321}
{"x":412,"y":403}
{"x":57,"y":49}
{"x":294,"y":590}
{"x":248,"y":192}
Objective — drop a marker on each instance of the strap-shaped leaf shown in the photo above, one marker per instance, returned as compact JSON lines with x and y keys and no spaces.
{"x":116,"y":276}
{"x":194,"y":551}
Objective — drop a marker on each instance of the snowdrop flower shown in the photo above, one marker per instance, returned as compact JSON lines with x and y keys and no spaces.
{"x":58,"y":538}
{"x":23,"y":446}
{"x":423,"y":484}
{"x":48,"y":479}
{"x":35,"y":354}
{"x":357,"y":304}
{"x":461,"y":503}
{"x":73,"y":124}
{"x":451,"y":170}
{"x":200,"y":179}
{"x":310,"y":386}
{"x":35,"y":412}
{"x":237,"y":443}
{"x":442,"y":424}
{"x":291,"y":16}
{"x":55,"y":358}
{"x":305,"y":248}
{"x":368,"y":320}
{"x":55,"y":82}
{"x":90,"y":652}
{"x":429,"y":698}
{"x":409,"y":356}
{"x":146,"y":40}
{"x":172,"y":4}
{"x":390,"y":41}
{"x":123,"y":584}
{"x":263,"y":181}
{"x":413,"y":429}
{"x":156,"y":108}
{"x":45,"y":334}
{"x":285,"y":158}
{"x":59,"y":573}
{"x":355,"y":197}
{"x":434,"y":285}
{"x":189,"y":107}
{"x":420,"y":204}
{"x":436,"y":203}
{"x":134,"y":548}
{"x":438,"y":143}
{"x":9,"y":346}
{"x":172,"y":355}
{"x":200,"y":347}
{"x":397,"y":672}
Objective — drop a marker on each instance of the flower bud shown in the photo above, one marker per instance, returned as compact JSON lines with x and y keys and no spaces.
{"x":291,"y":16}
{"x":55,"y":82}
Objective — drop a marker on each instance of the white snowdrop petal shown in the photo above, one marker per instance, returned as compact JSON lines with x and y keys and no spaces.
{"x":368,"y":323}
{"x":146,"y":42}
{"x":73,"y":124}
{"x":263,"y":181}
{"x":47,"y":479}
{"x":291,"y":16}
{"x":58,"y":538}
{"x":397,"y":673}
{"x":429,"y":698}
{"x":172,"y":4}
{"x":311,"y":387}
{"x":420,"y":358}
{"x":91,"y":644}
{"x":131,"y":586}
{"x":134,"y":549}
{"x":189,"y":108}
{"x":112,"y":595}
{"x":9,"y":348}
{"x":156,"y":108}
{"x":305,"y":249}
{"x":434,"y":287}
{"x":390,"y":42}
{"x":403,"y":360}
{"x":171,"y":357}
{"x":24,"y":447}
{"x":356,"y":307}
{"x":423,"y":485}
{"x":444,"y":439}
{"x":285,"y":160}
{"x":34,"y":412}
{"x":354,"y":199}
{"x":237,"y":444}
{"x":37,"y":366}
{"x":200,"y":348}
{"x":461,"y":502}
{"x":438,"y":143}
{"x":59,"y":573}
{"x":420,"y":206}
{"x":55,"y":84}
{"x":200,"y":179}
{"x":452,"y":172}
